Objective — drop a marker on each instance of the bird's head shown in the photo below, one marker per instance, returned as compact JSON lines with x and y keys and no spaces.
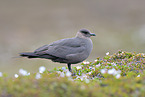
{"x":85,"y":33}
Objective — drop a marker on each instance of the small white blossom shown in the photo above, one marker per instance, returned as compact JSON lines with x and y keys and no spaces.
{"x":90,"y":73}
{"x":79,"y":73}
{"x":1,"y":74}
{"x":118,"y":76}
{"x":38,"y":76}
{"x":103,"y":71}
{"x":90,"y":68}
{"x":107,"y":53}
{"x":64,"y":68}
{"x":84,"y":75}
{"x":58,"y":72}
{"x":117,"y":72}
{"x":68,"y":73}
{"x":16,"y":75}
{"x":111,"y":71}
{"x":86,"y":62}
{"x":23,"y":72}
{"x":28,"y":73}
{"x":81,"y":78}
{"x":79,"y":67}
{"x":114,"y":64}
{"x":77,"y":77}
{"x":98,"y":65}
{"x":96,"y":60}
{"x":93,"y":68}
{"x":62,"y":74}
{"x":42,"y":69}
{"x":138,"y":76}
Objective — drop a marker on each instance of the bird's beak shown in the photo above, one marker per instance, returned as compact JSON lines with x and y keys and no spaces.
{"x":92,"y":34}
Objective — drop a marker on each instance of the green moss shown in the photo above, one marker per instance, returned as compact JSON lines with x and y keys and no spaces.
{"x":119,"y":75}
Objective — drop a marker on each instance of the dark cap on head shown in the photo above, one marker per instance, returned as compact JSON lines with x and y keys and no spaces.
{"x":87,"y":32}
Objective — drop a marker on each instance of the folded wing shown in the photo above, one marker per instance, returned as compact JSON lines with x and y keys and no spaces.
{"x":61,"y":48}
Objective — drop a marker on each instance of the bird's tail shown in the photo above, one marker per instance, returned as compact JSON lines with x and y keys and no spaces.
{"x":29,"y":55}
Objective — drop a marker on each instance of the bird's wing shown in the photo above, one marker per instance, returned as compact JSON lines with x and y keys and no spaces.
{"x":62,"y":48}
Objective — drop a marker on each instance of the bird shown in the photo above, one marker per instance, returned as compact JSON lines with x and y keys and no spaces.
{"x":69,"y":50}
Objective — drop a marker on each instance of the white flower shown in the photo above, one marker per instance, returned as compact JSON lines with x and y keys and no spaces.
{"x":64,"y":68}
{"x":23,"y":72}
{"x":114,"y":72}
{"x":138,"y":75}
{"x":117,"y":72}
{"x":79,"y":67}
{"x":28,"y":73}
{"x":58,"y":72}
{"x":107,"y":53}
{"x":84,"y":75}
{"x":77,"y":77}
{"x":103,"y":71}
{"x":62,"y":74}
{"x":93,"y":68}
{"x":98,"y":65}
{"x":86,"y":62}
{"x":38,"y":76}
{"x":1,"y":74}
{"x":79,"y":73}
{"x":90,"y":67}
{"x":81,"y":78}
{"x":68,"y":73}
{"x":96,"y":60}
{"x":16,"y":75}
{"x":114,"y":64}
{"x":118,"y":76}
{"x":42,"y":69}
{"x":90,"y":73}
{"x":111,"y":71}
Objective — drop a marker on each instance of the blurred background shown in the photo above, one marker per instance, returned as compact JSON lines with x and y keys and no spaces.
{"x":26,"y":25}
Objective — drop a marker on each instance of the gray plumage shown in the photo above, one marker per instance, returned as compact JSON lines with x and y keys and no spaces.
{"x":70,"y":50}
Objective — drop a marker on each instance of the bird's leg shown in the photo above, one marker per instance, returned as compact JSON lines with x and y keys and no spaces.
{"x":69,"y":67}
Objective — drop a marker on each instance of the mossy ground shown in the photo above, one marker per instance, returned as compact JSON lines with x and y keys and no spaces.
{"x":119,"y":75}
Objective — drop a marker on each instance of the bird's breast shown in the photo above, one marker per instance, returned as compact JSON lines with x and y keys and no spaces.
{"x":85,"y":50}
{"x":88,"y":46}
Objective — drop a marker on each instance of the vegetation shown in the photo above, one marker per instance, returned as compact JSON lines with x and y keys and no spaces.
{"x":119,"y":75}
